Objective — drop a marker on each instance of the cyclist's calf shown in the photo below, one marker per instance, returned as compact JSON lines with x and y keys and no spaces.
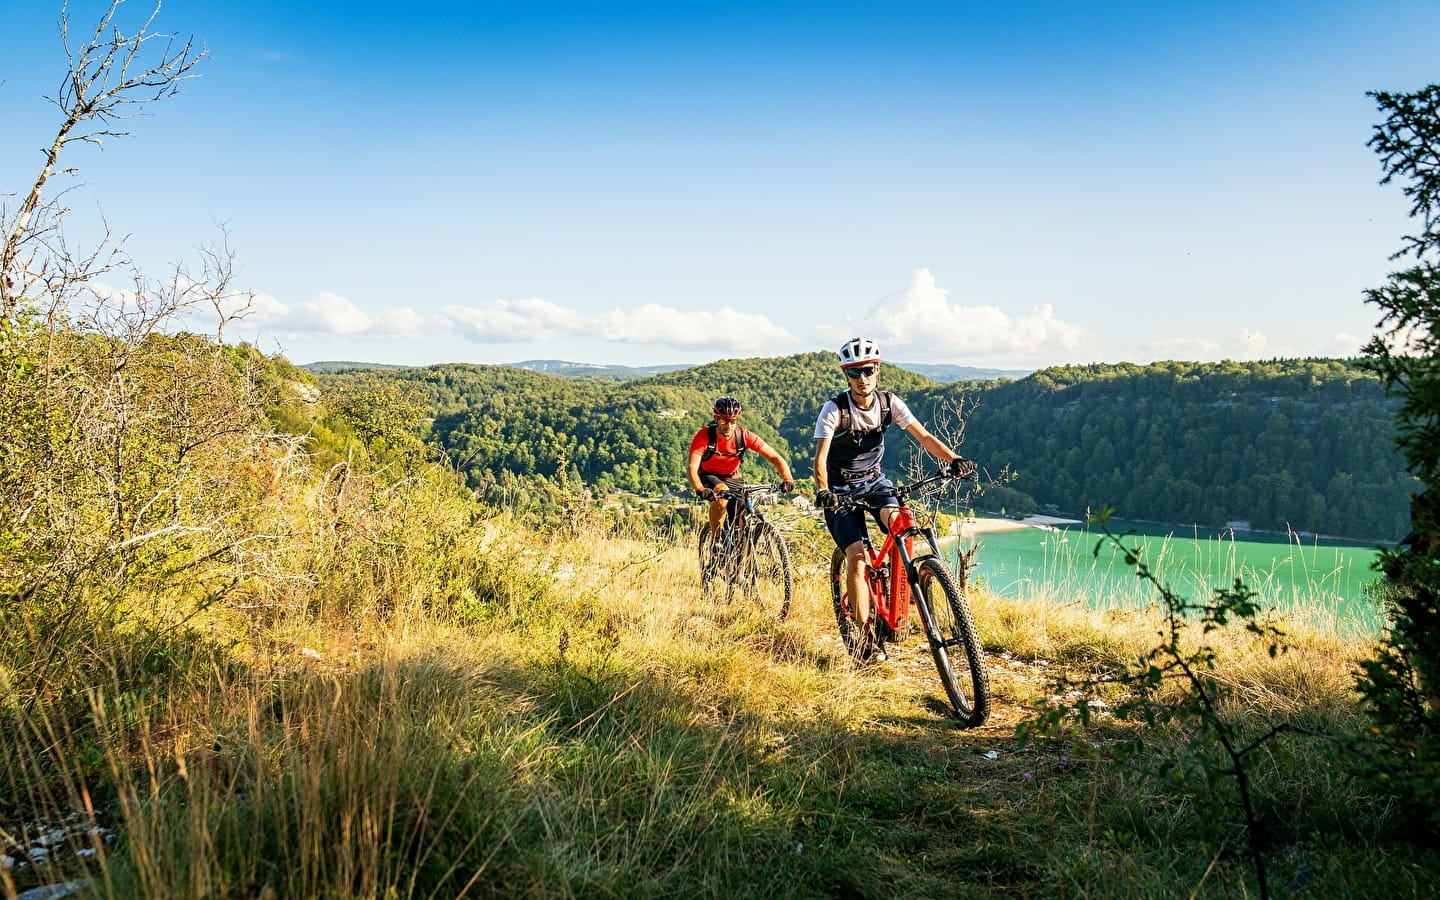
{"x":856,"y":584}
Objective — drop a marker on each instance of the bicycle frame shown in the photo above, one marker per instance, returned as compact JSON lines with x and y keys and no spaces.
{"x":890,"y":568}
{"x":889,"y":594}
{"x":741,"y":508}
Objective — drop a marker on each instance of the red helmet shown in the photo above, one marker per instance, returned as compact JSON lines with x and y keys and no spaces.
{"x":727,"y":407}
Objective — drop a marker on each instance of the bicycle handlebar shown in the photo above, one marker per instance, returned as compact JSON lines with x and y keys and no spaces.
{"x":746,"y":490}
{"x":859,"y":501}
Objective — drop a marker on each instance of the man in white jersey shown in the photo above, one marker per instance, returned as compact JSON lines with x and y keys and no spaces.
{"x":849,"y":446}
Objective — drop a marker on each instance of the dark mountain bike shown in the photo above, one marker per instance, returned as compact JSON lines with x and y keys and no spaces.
{"x":899,"y":576}
{"x":749,"y":557}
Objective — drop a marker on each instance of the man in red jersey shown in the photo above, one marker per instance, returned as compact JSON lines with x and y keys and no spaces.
{"x":716,"y":453}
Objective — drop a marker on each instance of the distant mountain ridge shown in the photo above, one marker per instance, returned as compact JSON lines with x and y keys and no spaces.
{"x":940,"y":372}
{"x":330,"y":367}
{"x":568,"y":369}
{"x":946,"y":373}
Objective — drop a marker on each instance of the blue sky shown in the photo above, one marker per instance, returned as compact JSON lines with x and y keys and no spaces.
{"x":993,"y":184}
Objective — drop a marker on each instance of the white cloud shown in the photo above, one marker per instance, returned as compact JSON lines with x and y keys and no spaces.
{"x":1186,"y":348}
{"x":328,"y":314}
{"x":724,"y":329}
{"x":502,"y":321}
{"x":1345,"y":344}
{"x":1254,"y":345}
{"x":265,"y":311}
{"x":507,"y":321}
{"x":1245,"y":345}
{"x":520,"y":321}
{"x":922,"y":322}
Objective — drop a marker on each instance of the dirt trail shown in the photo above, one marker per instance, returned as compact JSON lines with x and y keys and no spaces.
{"x":911,"y":664}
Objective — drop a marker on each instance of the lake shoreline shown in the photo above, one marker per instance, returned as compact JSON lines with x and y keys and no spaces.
{"x":988,"y":524}
{"x":981,"y":525}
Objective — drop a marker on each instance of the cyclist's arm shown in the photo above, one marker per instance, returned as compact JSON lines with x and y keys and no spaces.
{"x":933,"y":445}
{"x":775,"y":459}
{"x":693,"y":471}
{"x":825,"y":425}
{"x":822,"y":453}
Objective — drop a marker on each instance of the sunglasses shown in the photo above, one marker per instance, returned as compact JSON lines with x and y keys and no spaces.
{"x":727,"y":418}
{"x":861,"y":371}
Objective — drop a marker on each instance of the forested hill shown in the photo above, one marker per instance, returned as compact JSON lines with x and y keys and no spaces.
{"x":1304,"y":444}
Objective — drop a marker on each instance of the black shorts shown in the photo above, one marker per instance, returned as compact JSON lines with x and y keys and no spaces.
{"x":848,"y":526}
{"x":720,"y":483}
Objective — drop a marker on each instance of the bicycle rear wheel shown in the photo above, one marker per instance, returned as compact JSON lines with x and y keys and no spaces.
{"x":712,"y":562}
{"x":765,"y":571}
{"x":954,"y":642}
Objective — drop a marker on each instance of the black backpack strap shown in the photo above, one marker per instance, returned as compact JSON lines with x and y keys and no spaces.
{"x":842,"y":403}
{"x":710,"y":447}
{"x":740,"y":446}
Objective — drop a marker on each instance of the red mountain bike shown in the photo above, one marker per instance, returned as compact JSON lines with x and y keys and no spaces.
{"x":898,"y":577}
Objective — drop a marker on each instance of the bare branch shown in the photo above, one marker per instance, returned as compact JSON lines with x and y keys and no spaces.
{"x":111,"y":77}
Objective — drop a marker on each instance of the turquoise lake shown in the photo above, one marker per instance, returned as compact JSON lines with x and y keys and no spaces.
{"x":1323,"y":581}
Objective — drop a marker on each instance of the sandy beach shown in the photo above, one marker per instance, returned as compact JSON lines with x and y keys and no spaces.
{"x":980,"y":525}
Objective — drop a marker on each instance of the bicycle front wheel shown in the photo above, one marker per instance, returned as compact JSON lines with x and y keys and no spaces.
{"x":766,"y":570}
{"x":954,"y":642}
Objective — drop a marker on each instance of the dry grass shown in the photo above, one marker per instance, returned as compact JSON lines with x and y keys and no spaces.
{"x":577,"y":721}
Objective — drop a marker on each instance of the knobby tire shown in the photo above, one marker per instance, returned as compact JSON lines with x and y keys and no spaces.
{"x":954,"y":642}
{"x":713,"y":571}
{"x":765,"y":571}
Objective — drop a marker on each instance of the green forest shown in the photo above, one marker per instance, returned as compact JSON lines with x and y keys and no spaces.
{"x":1306,"y":445}
{"x":269,"y":633}
{"x":1302,"y":445}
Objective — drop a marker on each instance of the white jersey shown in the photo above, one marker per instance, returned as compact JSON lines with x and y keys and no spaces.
{"x":862,"y":419}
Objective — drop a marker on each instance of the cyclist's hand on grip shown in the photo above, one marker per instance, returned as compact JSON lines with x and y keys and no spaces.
{"x":705,"y":494}
{"x":787,"y":486}
{"x":826,"y":499}
{"x":960,"y":467}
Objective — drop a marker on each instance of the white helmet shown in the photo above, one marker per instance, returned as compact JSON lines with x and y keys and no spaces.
{"x":859,"y":350}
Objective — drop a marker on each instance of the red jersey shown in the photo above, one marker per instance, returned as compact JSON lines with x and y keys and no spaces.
{"x":725,"y":461}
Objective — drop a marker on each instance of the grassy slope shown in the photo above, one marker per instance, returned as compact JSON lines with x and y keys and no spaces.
{"x":586,"y":727}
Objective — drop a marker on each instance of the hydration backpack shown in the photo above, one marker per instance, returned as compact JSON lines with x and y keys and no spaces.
{"x":842,"y":403}
{"x":710,"y":450}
